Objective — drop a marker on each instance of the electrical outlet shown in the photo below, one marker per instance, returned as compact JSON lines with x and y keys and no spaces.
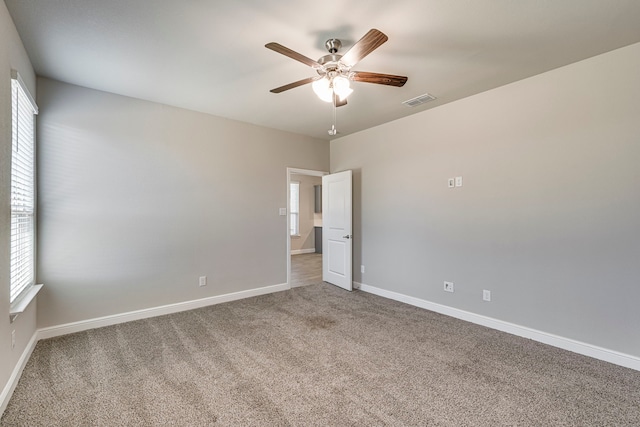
{"x":448,"y":286}
{"x":362,"y":269}
{"x":13,"y":339}
{"x":202,"y":281}
{"x":451,"y":182}
{"x":486,"y":295}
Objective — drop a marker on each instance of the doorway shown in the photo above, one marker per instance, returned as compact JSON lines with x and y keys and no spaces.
{"x":304,"y":253}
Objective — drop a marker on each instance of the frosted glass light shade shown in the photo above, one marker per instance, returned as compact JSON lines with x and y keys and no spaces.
{"x":323,"y":90}
{"x":341,"y":87}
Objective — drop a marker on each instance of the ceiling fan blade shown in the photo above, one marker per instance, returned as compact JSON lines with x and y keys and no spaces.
{"x":363,"y":47}
{"x":381,"y":79}
{"x":295,"y":84}
{"x":276,"y":47}
{"x":338,"y":103}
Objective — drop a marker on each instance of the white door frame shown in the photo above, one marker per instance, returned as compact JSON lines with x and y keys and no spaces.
{"x":300,"y":172}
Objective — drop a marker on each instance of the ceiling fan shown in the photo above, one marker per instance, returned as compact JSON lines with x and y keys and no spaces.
{"x":334,"y":70}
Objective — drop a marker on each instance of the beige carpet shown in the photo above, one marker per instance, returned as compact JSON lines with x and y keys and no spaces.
{"x":315,"y":356}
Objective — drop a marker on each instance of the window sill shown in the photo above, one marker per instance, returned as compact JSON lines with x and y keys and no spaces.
{"x":21,"y":304}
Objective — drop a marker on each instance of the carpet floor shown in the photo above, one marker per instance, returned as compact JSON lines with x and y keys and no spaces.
{"x":315,"y":356}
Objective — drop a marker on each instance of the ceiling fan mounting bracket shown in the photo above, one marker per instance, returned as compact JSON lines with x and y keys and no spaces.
{"x":333,"y":45}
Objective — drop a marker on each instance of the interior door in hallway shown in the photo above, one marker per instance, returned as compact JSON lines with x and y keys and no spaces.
{"x":337,"y":234}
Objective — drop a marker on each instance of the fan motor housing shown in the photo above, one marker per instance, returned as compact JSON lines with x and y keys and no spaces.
{"x":328,"y":59}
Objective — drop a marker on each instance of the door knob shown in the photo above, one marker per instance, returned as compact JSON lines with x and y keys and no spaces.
{"x":348,"y":236}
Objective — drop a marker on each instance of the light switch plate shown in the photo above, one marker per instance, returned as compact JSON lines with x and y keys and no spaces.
{"x":451,"y":182}
{"x":283,"y":211}
{"x":448,"y":286}
{"x":458,"y":181}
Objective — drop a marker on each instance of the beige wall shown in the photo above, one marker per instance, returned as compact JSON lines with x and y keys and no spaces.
{"x":547,"y":218}
{"x":308,"y":217}
{"x":12,"y":56}
{"x":137,"y":200}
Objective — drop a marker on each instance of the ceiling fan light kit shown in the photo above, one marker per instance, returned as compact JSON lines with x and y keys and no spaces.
{"x":337,"y":85}
{"x":334,"y":71}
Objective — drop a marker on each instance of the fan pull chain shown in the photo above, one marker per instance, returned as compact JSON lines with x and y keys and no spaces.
{"x":333,"y":131}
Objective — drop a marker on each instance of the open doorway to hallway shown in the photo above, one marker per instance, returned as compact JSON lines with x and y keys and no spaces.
{"x":306,"y":269}
{"x":304,"y":207}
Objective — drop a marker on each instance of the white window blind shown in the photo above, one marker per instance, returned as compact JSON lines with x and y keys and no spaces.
{"x":294,"y":208}
{"x":22,"y":188}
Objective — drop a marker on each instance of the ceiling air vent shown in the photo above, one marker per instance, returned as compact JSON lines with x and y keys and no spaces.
{"x":419,"y":100}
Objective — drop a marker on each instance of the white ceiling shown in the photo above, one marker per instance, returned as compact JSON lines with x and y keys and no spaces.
{"x":209,"y":56}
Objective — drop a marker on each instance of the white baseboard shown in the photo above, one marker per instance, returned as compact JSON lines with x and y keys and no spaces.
{"x":302,"y":251}
{"x":83,"y":325}
{"x":7,"y":392}
{"x":611,"y":356}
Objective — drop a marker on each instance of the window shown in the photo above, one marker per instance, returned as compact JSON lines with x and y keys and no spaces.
{"x":23,"y":110}
{"x":294,"y":208}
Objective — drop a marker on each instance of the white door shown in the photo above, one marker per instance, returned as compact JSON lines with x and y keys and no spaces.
{"x":337,"y":235}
